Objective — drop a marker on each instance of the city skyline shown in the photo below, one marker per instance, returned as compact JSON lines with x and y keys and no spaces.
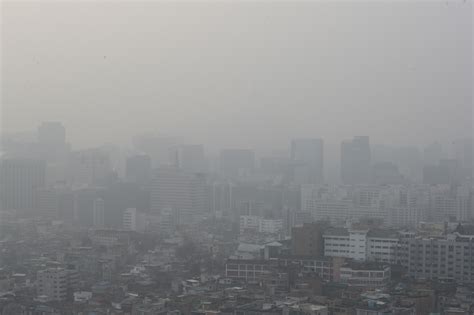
{"x":236,"y":157}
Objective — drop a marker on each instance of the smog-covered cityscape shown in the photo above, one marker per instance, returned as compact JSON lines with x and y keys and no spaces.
{"x":236,"y":158}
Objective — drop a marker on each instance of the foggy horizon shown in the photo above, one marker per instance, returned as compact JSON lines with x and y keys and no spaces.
{"x":233,"y":75}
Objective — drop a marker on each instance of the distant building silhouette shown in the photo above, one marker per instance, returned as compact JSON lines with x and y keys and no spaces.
{"x":236,"y":162}
{"x":90,"y":167}
{"x":308,"y":156}
{"x":190,"y":158}
{"x":355,"y":161}
{"x":20,"y":181}
{"x":138,"y":169}
{"x":181,"y":191}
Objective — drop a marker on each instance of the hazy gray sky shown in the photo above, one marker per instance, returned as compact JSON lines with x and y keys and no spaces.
{"x":239,"y":73}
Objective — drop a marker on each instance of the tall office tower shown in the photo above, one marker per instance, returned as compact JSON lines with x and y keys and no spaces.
{"x":463,"y":152}
{"x":181,"y":191}
{"x":308,"y":156}
{"x":90,"y":167}
{"x":355,"y":161}
{"x":432,"y":153}
{"x":448,"y":172}
{"x":52,"y":147}
{"x":386,"y":173}
{"x":56,"y":202}
{"x":221,"y":198}
{"x":157,"y":147}
{"x":236,"y":162}
{"x":20,"y":180}
{"x":448,"y":204}
{"x":121,"y":196}
{"x":138,"y":169}
{"x":47,"y":203}
{"x":18,"y":144}
{"x":465,"y":203}
{"x":98,"y":213}
{"x":51,"y":284}
{"x":84,"y":204}
{"x":189,"y":158}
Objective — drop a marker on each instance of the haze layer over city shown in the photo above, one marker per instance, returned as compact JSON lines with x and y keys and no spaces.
{"x":236,"y":157}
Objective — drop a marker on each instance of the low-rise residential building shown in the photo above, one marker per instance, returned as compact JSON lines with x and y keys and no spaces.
{"x":51,"y":284}
{"x":449,"y":258}
{"x":370,"y":275}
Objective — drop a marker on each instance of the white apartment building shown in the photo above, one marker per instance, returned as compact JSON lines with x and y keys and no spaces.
{"x":133,"y":220}
{"x":365,"y":275}
{"x":340,"y":204}
{"x":337,"y":243}
{"x":271,"y":226}
{"x":249,"y":222}
{"x":346,"y":243}
{"x":382,"y":246}
{"x":361,"y":245}
{"x":51,"y":284}
{"x":256,"y":223}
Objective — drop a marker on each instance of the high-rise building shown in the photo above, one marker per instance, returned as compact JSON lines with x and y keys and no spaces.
{"x":190,"y":158}
{"x":386,"y":173}
{"x":157,"y":147}
{"x":85,"y":202}
{"x":447,"y":171}
{"x":463,"y":152}
{"x":432,"y":153}
{"x":182,"y":191}
{"x":220,"y":197}
{"x":20,"y":180}
{"x":308,"y":156}
{"x":138,"y":169}
{"x":119,"y":197}
{"x":52,"y":147}
{"x":47,"y":202}
{"x":56,"y":202}
{"x":90,"y":167}
{"x":236,"y":162}
{"x":355,"y":161}
{"x":98,"y":213}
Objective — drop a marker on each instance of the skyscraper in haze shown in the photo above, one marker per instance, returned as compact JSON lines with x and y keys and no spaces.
{"x":20,"y":181}
{"x":90,"y":167}
{"x":157,"y":147}
{"x":463,"y":152}
{"x":98,"y":213}
{"x":52,"y":147}
{"x":308,"y":156}
{"x":355,"y":161}
{"x":236,"y":162}
{"x":181,"y":191}
{"x":138,"y":168}
{"x":432,"y":153}
{"x":190,"y":158}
